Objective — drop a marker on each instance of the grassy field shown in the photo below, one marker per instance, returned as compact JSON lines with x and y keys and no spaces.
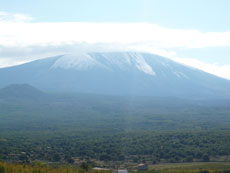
{"x":195,"y":167}
{"x":192,"y":167}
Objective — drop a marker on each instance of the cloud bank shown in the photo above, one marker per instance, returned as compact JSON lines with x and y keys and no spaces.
{"x":214,"y":68}
{"x":23,"y":40}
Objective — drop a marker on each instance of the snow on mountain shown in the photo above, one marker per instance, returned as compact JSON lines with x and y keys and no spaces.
{"x":78,"y":62}
{"x":117,"y":73}
{"x":88,"y":61}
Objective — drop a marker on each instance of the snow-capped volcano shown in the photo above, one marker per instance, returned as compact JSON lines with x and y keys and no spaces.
{"x":122,"y":61}
{"x":116,"y":73}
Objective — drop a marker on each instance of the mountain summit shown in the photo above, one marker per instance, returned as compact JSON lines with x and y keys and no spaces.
{"x":117,"y":73}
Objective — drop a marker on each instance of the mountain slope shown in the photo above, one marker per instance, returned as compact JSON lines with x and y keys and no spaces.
{"x":117,"y":73}
{"x":21,"y":92}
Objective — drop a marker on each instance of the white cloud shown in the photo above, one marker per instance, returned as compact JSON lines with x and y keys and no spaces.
{"x":214,"y":68}
{"x":24,"y":33}
{"x":22,"y":40}
{"x":5,"y":62}
{"x":8,"y":17}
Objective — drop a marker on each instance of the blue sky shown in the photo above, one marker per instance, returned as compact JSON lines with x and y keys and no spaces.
{"x":205,"y":15}
{"x":195,"y":32}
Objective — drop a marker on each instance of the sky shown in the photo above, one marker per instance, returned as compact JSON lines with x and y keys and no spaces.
{"x":195,"y":33}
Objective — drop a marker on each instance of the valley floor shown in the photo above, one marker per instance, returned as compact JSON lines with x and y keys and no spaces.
{"x":195,"y":167}
{"x":217,"y":166}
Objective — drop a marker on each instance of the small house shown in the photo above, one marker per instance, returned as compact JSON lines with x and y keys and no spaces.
{"x":142,"y":167}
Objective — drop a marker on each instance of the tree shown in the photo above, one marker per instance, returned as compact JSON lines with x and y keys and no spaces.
{"x":56,"y":157}
{"x":84,"y":166}
{"x":205,"y":157}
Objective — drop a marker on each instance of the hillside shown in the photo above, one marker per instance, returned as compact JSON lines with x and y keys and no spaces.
{"x":22,"y":92}
{"x":117,"y":73}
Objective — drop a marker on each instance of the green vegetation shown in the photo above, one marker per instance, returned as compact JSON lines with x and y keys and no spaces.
{"x":198,"y":167}
{"x":42,"y":168}
{"x":113,"y":131}
{"x":136,"y":146}
{"x":38,"y":167}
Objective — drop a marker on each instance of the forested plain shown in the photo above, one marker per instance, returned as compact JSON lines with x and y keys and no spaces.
{"x":72,"y":128}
